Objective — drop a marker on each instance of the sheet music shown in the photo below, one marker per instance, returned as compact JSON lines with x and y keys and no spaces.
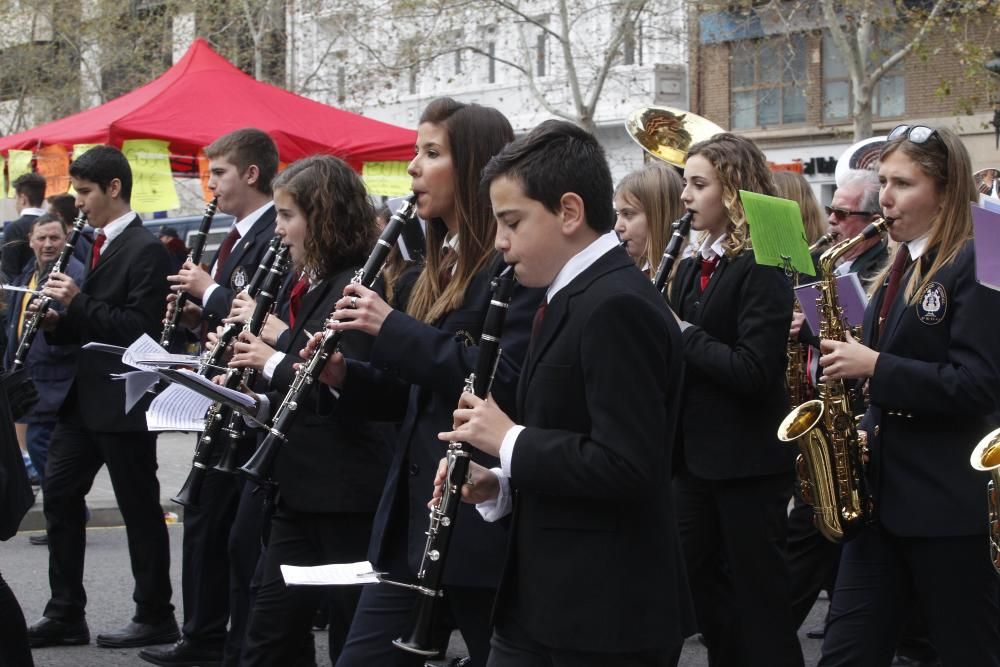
{"x":104,"y":347}
{"x":164,"y":359}
{"x":143,"y":346}
{"x":18,"y":288}
{"x":850,"y":293}
{"x":177,"y":408}
{"x":336,"y":574}
{"x":206,"y":387}
{"x":137,"y":383}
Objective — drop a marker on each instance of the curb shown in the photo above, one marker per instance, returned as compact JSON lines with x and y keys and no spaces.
{"x":102,"y":515}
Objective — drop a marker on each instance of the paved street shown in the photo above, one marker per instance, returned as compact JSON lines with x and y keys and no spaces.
{"x":109,"y":583}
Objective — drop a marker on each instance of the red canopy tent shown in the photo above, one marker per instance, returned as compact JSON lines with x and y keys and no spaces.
{"x":202,"y":97}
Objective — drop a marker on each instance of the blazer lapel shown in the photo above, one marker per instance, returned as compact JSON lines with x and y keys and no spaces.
{"x":310,"y":302}
{"x":716,"y":277}
{"x":896,"y":311}
{"x":247,"y":240}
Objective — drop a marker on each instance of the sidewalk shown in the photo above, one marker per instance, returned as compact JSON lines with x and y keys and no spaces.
{"x":173,"y":453}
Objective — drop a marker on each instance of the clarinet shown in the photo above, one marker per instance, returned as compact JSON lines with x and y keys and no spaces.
{"x":212,"y":359}
{"x":419,"y":637}
{"x":197,"y":249}
{"x":32,"y":325}
{"x":219,"y":414}
{"x":681,"y":227}
{"x":258,"y":468}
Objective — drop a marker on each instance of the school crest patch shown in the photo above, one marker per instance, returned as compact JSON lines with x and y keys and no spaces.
{"x":239,"y":279}
{"x":933,"y":304}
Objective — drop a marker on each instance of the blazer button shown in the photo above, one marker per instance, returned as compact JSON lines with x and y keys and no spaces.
{"x":414,"y":469}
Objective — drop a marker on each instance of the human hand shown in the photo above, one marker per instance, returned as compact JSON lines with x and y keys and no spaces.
{"x":847,"y":360}
{"x":480,"y":423}
{"x":192,"y":278}
{"x":60,"y":287}
{"x":361,"y":309}
{"x":480,"y":485}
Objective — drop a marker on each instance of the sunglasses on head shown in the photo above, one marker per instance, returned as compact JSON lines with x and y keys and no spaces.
{"x":918,"y":134}
{"x":842,"y":214}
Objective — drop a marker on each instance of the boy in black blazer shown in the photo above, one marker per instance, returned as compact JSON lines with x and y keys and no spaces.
{"x":585,"y":473}
{"x":120,"y":299}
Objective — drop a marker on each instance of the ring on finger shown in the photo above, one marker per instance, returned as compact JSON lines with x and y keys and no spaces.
{"x":354,"y":302}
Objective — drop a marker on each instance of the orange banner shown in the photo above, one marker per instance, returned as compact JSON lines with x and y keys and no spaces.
{"x":52,"y":162}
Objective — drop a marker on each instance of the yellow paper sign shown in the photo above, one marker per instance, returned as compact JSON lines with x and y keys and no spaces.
{"x":386,"y":178}
{"x":152,"y":180}
{"x":18,"y":163}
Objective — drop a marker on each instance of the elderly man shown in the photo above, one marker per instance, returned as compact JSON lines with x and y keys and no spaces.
{"x":854,"y":205}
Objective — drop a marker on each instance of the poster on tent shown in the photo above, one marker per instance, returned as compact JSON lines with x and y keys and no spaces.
{"x":152,"y":180}
{"x":388,"y":179}
{"x":18,"y":163}
{"x":52,"y":162}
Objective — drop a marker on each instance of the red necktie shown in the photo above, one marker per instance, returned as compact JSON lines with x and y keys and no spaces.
{"x":295,"y":299}
{"x":707,"y":269}
{"x":899,"y":265}
{"x":536,"y":323}
{"x":95,"y":255}
{"x":224,"y":250}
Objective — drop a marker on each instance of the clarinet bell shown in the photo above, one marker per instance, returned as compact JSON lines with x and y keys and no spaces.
{"x":190,"y":492}
{"x":419,"y":638}
{"x":227,"y":463}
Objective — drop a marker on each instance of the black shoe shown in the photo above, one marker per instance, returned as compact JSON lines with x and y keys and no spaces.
{"x":52,"y":632}
{"x":184,"y":653}
{"x":40,"y":540}
{"x":141,"y":634}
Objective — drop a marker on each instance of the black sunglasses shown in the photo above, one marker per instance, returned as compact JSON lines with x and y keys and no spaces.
{"x":918,"y":134}
{"x":841,"y":214}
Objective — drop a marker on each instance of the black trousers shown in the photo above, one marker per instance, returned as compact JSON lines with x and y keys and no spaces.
{"x":812,"y":560}
{"x":205,"y":559}
{"x":280,"y":626}
{"x":512,"y":646}
{"x":385,"y":613}
{"x":245,"y":551}
{"x":75,"y":456}
{"x":882,"y":576}
{"x":14,"y":651}
{"x":733,"y":535}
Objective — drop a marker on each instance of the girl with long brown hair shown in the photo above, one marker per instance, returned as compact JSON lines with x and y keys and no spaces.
{"x":930,"y":362}
{"x":647,"y":201}
{"x":418,"y":366}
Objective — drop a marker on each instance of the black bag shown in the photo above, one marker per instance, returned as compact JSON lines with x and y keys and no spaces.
{"x":15,"y":490}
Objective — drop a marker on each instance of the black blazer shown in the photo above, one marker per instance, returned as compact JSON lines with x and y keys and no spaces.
{"x":734,"y":386}
{"x":594,"y":562}
{"x":936,"y":383}
{"x":51,"y":367}
{"x":238,"y":268}
{"x":120,"y":299}
{"x":416,"y":375}
{"x":332,"y":461}
{"x":15,"y":253}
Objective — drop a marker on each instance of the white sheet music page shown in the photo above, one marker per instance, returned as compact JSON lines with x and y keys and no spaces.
{"x":177,"y":409}
{"x":336,"y":574}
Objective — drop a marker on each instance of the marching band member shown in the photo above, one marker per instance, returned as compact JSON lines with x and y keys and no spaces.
{"x":735,"y":477}
{"x":241,"y":166}
{"x":418,"y":367}
{"x":647,"y":201}
{"x":330,"y":472}
{"x":120,"y":299}
{"x":589,"y":473}
{"x":933,"y":375}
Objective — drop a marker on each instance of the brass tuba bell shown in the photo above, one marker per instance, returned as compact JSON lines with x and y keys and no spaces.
{"x":986,"y":457}
{"x":667,"y":133}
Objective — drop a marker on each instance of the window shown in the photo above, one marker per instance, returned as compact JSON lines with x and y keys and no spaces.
{"x":541,"y":53}
{"x":632,"y":43}
{"x":491,"y":66}
{"x":889,"y":97}
{"x":767,"y":82}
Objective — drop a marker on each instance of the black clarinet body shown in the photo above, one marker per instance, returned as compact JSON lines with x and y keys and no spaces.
{"x":212,"y":359}
{"x":219,"y":415}
{"x":258,"y":468}
{"x":197,"y":250}
{"x":681,"y":227}
{"x":32,"y":324}
{"x":420,"y":636}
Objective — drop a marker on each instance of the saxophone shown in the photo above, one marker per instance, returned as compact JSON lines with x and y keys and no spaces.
{"x":986,"y":457}
{"x":797,"y":370}
{"x":830,"y":465}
